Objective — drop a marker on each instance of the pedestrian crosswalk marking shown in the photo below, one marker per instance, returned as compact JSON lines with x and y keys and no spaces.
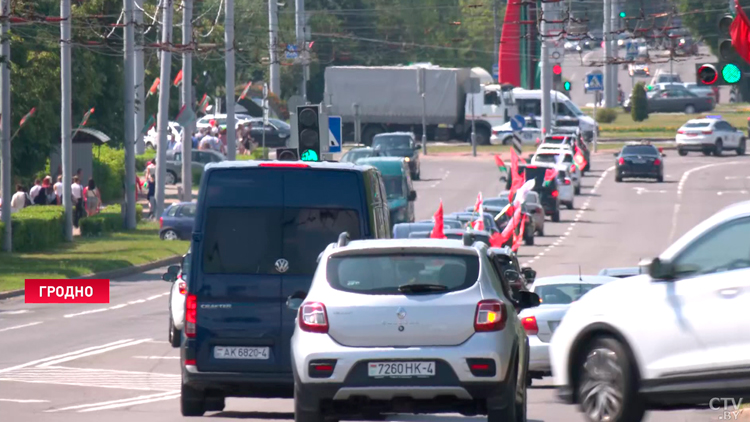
{"x":95,"y":378}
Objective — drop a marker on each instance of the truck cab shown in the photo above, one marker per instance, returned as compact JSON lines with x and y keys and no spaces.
{"x":494,"y":105}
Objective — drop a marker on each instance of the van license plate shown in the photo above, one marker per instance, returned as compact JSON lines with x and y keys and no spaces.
{"x":401,"y":369}
{"x":251,"y":353}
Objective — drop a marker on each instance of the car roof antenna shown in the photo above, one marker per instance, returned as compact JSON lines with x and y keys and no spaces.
{"x":580,"y":277}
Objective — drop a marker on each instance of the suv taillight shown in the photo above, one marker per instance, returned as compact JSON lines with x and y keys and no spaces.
{"x":161,"y":222}
{"x":313,"y":317}
{"x":657,"y":162}
{"x":621,"y":161}
{"x":555,"y":193}
{"x":491,"y":315}
{"x":529,"y":324}
{"x":191,"y":315}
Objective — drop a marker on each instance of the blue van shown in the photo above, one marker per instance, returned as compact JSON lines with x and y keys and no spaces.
{"x":259,"y":229}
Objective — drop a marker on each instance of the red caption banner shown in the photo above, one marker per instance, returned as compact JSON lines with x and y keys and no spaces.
{"x":67,"y":291}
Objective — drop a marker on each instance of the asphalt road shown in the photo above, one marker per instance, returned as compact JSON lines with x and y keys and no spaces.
{"x":112,"y":362}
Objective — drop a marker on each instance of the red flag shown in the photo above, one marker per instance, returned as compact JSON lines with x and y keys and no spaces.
{"x":26,"y":117}
{"x":499,"y":163}
{"x":86,"y":117}
{"x":519,"y":237}
{"x":437,"y":231}
{"x":478,"y":204}
{"x":203,"y":105}
{"x":550,"y":174}
{"x":246,"y":90}
{"x":740,"y":32}
{"x":579,"y":158}
{"x":154,"y":87}
{"x":178,"y":78}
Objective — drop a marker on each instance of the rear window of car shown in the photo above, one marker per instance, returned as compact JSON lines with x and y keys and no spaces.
{"x":546,"y":158}
{"x":385,"y":273}
{"x":392,"y":141}
{"x":251,"y":240}
{"x":562,"y":294}
{"x":640,"y":150}
{"x":696,"y":124}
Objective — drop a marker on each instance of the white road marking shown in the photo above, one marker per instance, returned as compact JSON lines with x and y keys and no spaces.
{"x":724,"y":192}
{"x":22,"y":311}
{"x":91,"y":353}
{"x":120,"y":306}
{"x":25,"y":401}
{"x":114,"y":406}
{"x":96,"y":378}
{"x":156,"y":357}
{"x":641,"y":191}
{"x":21,"y":326}
{"x":82,"y":406}
{"x":78,"y":352}
{"x":735,"y":177}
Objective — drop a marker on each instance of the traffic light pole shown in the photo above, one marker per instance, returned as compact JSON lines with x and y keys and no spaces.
{"x":546,"y":77}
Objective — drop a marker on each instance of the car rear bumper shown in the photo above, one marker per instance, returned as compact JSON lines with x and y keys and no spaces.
{"x":538,"y":355}
{"x":694,"y":145}
{"x":639,"y":171}
{"x":240,"y":384}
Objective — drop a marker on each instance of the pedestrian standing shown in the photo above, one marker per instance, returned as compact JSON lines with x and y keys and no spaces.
{"x":59,"y":190}
{"x":49,"y":191}
{"x":34,"y":192}
{"x":93,"y":198}
{"x":77,"y":192}
{"x":151,"y":197}
{"x":18,"y":202}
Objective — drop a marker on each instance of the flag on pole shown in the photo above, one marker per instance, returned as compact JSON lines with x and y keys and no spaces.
{"x":478,"y":204}
{"x":579,"y":159}
{"x":178,"y":78}
{"x":27,"y":116}
{"x":739,"y":30}
{"x":203,"y":105}
{"x":246,"y":90}
{"x":479,"y":224}
{"x":517,"y":238}
{"x":185,"y":116}
{"x":154,"y":88}
{"x":437,"y":231}
{"x":149,"y":124}
{"x":86,"y":117}
{"x":500,"y":164}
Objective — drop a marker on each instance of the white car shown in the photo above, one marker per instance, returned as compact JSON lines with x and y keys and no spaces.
{"x":152,"y":137}
{"x":556,"y":294}
{"x":563,"y":160}
{"x":565,"y":188}
{"x":529,"y":134}
{"x":399,"y":325}
{"x":177,"y":275}
{"x":711,"y":136}
{"x":221,"y":120}
{"x":675,"y":337}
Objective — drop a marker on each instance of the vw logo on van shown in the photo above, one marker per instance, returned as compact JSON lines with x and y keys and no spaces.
{"x":282,"y":265}
{"x":401,"y":313}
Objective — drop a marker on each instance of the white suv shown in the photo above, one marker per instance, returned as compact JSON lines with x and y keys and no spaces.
{"x":675,"y":337}
{"x":411,"y":326}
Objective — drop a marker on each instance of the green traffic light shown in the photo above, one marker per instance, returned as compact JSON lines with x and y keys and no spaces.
{"x":731,"y":73}
{"x":566,"y":85}
{"x":622,"y":14}
{"x":309,"y":155}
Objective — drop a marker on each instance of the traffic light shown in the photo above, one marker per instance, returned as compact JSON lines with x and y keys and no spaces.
{"x":287,"y":154}
{"x":308,"y":132}
{"x":726,"y":51}
{"x":717,"y":74}
{"x":566,"y":85}
{"x":557,"y":70}
{"x":622,"y":15}
{"x":557,"y":77}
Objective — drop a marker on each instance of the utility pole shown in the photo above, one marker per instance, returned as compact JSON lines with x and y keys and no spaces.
{"x":608,"y":77}
{"x":129,"y":116}
{"x":229,"y":79}
{"x":163,"y":117}
{"x":273,"y":41}
{"x":300,"y":20}
{"x":496,"y":33}
{"x":615,"y":50}
{"x":187,"y":101}
{"x":546,"y":74}
{"x":65,"y":125}
{"x":140,"y":99}
{"x":5,"y":113}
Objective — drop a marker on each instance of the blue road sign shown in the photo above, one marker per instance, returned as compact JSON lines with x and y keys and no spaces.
{"x":631,"y":49}
{"x":517,"y":122}
{"x":334,"y":134}
{"x":495,"y":72}
{"x":595,"y":82}
{"x":291,"y":51}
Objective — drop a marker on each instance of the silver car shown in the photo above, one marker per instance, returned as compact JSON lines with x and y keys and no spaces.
{"x":556,"y":294}
{"x":410,"y":326}
{"x":177,"y":275}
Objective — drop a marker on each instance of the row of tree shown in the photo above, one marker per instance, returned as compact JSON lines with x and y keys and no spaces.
{"x":343,"y":32}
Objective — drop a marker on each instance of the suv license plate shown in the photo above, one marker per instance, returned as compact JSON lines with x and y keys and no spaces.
{"x":401,"y":369}
{"x":250,"y":353}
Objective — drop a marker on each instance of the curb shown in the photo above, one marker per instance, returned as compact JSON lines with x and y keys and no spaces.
{"x":118,"y":273}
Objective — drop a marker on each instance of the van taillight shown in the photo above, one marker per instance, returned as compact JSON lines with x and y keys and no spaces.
{"x":555,"y":193}
{"x":491,"y":315}
{"x":183,"y":288}
{"x":161,"y":222}
{"x":313,"y":317}
{"x":191,"y":315}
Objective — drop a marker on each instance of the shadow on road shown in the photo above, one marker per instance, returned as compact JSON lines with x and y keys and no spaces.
{"x":254,"y":415}
{"x":594,"y":195}
{"x":404,"y":418}
{"x":427,"y":180}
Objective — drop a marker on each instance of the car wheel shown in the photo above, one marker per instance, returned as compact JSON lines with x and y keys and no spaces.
{"x":169,"y":235}
{"x":618,"y":178}
{"x":171,"y":178}
{"x":540,"y":232}
{"x":175,"y":335}
{"x":741,"y":148}
{"x":192,"y":401}
{"x":718,"y":147}
{"x":578,"y":190}
{"x":417,"y":175}
{"x":607,"y":383}
{"x":482,"y":136}
{"x":215,"y":404}
{"x":682,"y":152}
{"x":586,"y":168}
{"x":556,"y":216}
{"x":307,"y":411}
{"x":507,"y":140}
{"x":660,"y":178}
{"x":689,"y":109}
{"x":707,"y":152}
{"x":569,"y":205}
{"x":529,"y":241}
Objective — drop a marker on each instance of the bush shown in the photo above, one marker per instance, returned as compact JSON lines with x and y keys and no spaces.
{"x":606,"y":115}
{"x":109,"y":220}
{"x":109,"y":172}
{"x":141,"y":160}
{"x":37,"y":228}
{"x":638,"y":103}
{"x":258,"y":154}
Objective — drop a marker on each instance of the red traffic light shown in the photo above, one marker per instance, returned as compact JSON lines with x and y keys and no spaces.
{"x":557,"y":69}
{"x":707,"y":74}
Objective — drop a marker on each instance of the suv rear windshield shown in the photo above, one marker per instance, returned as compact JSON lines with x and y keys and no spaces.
{"x":392,"y":141}
{"x":536,"y":173}
{"x":251,"y":240}
{"x":385,"y":273}
{"x":562,"y":294}
{"x":546,"y":158}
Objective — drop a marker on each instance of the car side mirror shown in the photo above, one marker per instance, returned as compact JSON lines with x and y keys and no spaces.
{"x":529,"y":274}
{"x":661,"y":270}
{"x":663,"y":155}
{"x":512,"y":276}
{"x":418,"y":146}
{"x":412,"y":195}
{"x":295,"y":300}
{"x":527,"y":299}
{"x":616,"y":154}
{"x":169,"y":277}
{"x":173,"y":269}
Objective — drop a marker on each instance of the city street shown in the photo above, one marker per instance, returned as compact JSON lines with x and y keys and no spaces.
{"x":78,"y":363}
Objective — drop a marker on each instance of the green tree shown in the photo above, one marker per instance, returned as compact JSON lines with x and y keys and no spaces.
{"x":639,"y":103}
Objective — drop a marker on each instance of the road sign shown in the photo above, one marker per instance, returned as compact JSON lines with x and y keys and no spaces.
{"x":517,"y":122}
{"x":631,"y":49}
{"x":495,"y":72}
{"x":334,"y":133}
{"x":291,"y":51}
{"x":595,"y":82}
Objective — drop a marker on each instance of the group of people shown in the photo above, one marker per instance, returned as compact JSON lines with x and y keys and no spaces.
{"x":86,"y":199}
{"x":214,"y":138}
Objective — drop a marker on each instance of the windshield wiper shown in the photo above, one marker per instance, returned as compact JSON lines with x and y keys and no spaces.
{"x":421,"y":288}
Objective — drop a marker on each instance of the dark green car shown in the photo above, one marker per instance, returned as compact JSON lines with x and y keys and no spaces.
{"x":398,"y":186}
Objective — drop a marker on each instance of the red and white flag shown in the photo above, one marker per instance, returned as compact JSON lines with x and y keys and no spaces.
{"x":437,"y":231}
{"x":478,"y":204}
{"x":246,"y":90}
{"x":178,"y":78}
{"x":479,"y":223}
{"x":579,"y":159}
{"x":86,"y":117}
{"x":154,"y":88}
{"x":203,"y":105}
{"x":739,"y":30}
{"x":27,"y":116}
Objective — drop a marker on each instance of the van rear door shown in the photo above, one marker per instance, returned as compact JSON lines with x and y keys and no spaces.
{"x":237,"y":285}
